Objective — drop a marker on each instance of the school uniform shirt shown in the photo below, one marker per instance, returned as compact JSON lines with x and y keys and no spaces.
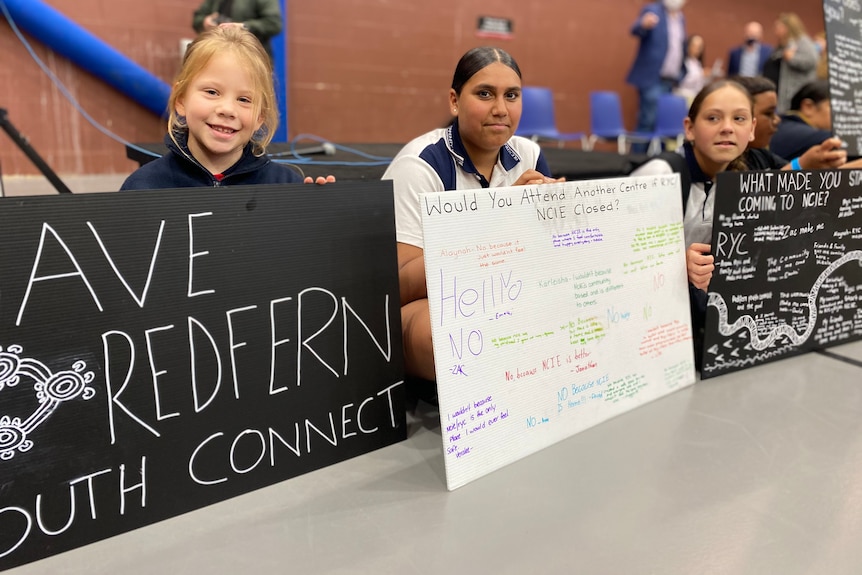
{"x":437,"y":162}
{"x":762,"y":159}
{"x":179,"y":169}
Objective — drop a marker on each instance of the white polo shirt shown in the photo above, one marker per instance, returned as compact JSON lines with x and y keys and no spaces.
{"x":437,"y":161}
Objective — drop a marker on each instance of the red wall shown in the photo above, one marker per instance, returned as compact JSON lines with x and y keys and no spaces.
{"x":358,"y":70}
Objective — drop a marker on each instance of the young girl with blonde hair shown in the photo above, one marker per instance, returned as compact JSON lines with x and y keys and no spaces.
{"x":222,"y":115}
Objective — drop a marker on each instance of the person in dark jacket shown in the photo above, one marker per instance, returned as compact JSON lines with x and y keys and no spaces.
{"x":260,"y":17}
{"x":824,"y":154}
{"x":748,"y":59}
{"x":658,"y":65}
{"x":222,"y":116}
{"x":179,"y":169}
{"x":807,"y":123}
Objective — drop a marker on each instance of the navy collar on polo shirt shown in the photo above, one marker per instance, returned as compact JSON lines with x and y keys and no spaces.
{"x":508,"y":157}
{"x":697,"y":174}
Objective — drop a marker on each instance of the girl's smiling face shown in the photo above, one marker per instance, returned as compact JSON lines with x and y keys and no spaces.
{"x":721,"y":129}
{"x":220,"y":112}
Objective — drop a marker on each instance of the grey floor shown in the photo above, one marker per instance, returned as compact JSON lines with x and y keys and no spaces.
{"x":758,"y":471}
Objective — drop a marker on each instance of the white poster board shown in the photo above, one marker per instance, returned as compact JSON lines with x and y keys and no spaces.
{"x":553,"y":308}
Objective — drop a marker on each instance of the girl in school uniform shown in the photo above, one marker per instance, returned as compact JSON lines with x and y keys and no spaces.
{"x":718,"y":129}
{"x":477,"y":150}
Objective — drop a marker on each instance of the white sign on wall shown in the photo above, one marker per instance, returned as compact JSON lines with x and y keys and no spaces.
{"x":553,"y":308}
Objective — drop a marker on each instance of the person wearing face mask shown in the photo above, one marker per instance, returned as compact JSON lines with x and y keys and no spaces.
{"x":748,"y":59}
{"x":658,"y":65}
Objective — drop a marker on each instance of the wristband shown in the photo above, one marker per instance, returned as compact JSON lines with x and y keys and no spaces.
{"x":794,"y":165}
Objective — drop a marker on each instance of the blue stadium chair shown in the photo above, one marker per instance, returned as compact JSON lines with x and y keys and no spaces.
{"x":670,"y":114}
{"x":537,"y":117}
{"x":606,"y":122}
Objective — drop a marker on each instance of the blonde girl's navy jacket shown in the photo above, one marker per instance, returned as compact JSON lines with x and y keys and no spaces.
{"x":178,"y":169}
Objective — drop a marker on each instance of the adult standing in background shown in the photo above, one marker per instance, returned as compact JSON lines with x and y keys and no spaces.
{"x":260,"y":17}
{"x":798,"y":58}
{"x":748,"y":59}
{"x":658,"y":66}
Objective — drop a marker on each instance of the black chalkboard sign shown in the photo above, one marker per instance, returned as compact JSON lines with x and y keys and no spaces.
{"x":844,"y":49}
{"x":788,"y":249}
{"x":164,"y":350}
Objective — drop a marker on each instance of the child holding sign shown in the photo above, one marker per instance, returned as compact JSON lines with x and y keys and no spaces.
{"x":477,"y":150}
{"x":222,"y":116}
{"x":718,"y":129}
